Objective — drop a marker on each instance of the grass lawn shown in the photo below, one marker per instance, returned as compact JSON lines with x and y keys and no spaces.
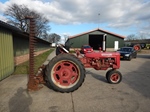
{"x":144,"y":51}
{"x":39,"y":60}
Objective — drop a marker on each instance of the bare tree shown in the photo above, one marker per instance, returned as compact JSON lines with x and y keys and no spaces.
{"x":142,"y":37}
{"x":66,"y":37}
{"x":45,"y":35}
{"x":131,"y":37}
{"x":17,"y":13}
{"x":54,"y":38}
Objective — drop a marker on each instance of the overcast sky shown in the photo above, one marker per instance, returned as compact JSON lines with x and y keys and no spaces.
{"x":123,"y":17}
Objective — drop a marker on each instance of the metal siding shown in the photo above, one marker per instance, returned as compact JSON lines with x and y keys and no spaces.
{"x":79,"y":41}
{"x":97,"y":33}
{"x":84,"y":39}
{"x":6,"y":54}
{"x":21,"y":45}
{"x":42,"y":46}
{"x":110,"y":39}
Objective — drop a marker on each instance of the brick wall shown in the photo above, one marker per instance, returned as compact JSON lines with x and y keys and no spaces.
{"x":20,"y":59}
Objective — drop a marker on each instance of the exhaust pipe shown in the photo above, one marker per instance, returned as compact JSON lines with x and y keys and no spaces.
{"x":104,"y":42}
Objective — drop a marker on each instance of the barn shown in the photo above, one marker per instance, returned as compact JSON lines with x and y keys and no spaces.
{"x":97,"y":38}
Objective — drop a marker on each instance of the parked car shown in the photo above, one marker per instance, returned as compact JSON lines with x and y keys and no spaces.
{"x":86,"y":49}
{"x":127,"y":53}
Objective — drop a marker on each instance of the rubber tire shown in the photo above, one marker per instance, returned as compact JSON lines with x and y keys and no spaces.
{"x":130,"y":57}
{"x":108,"y":73}
{"x":135,"y":56}
{"x":111,"y":73}
{"x":53,"y":63}
{"x":138,"y":45}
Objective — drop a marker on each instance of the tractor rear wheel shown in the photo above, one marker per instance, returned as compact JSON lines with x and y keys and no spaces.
{"x":65,"y":73}
{"x":114,"y":76}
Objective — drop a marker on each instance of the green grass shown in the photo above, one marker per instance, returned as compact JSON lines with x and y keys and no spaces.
{"x":72,"y":51}
{"x":39,"y":60}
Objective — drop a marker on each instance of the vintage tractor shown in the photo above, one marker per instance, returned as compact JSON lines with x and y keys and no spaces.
{"x":66,"y":72}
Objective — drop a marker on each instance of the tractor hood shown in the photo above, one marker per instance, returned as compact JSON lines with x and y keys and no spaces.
{"x":101,"y":54}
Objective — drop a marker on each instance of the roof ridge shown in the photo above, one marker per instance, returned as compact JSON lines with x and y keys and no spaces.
{"x":97,"y":29}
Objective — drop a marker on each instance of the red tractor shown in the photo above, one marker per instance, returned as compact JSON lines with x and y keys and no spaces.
{"x":66,"y":72}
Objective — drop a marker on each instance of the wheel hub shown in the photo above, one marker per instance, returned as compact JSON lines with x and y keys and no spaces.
{"x":114,"y":77}
{"x":65,"y":73}
{"x":136,"y":48}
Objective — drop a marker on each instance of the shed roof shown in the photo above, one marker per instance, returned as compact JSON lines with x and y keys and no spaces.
{"x":8,"y":26}
{"x":97,"y":29}
{"x":16,"y":30}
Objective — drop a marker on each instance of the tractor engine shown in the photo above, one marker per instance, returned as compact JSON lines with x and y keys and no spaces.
{"x":101,"y":60}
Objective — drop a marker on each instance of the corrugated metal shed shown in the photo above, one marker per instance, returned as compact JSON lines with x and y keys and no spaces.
{"x":14,"y":42}
{"x":6,"y":54}
{"x":95,"y":38}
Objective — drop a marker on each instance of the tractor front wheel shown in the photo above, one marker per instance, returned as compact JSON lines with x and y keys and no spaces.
{"x":65,"y":73}
{"x":113,"y":76}
{"x":107,"y":74}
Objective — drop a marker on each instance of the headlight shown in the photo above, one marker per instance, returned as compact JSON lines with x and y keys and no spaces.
{"x":127,"y":54}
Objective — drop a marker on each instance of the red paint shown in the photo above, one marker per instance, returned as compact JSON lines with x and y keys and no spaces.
{"x":101,"y":60}
{"x":65,"y":73}
{"x":115,"y":77}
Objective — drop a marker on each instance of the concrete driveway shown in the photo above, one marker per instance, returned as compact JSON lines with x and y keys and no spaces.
{"x":95,"y":95}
